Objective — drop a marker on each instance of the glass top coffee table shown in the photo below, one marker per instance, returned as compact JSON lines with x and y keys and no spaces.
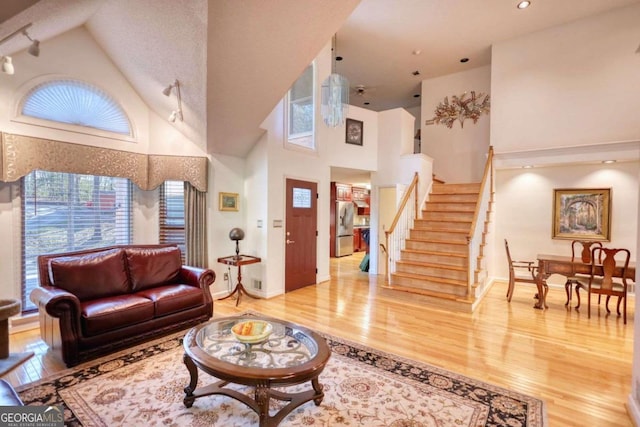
{"x":288,"y":355}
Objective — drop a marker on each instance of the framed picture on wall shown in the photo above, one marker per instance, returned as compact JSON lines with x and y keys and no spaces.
{"x":354,"y":132}
{"x":228,"y":201}
{"x":582,"y":214}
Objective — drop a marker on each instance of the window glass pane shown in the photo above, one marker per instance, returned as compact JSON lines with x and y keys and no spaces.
{"x":172,"y":214}
{"x":64,"y":212}
{"x":303,"y":87}
{"x":301,"y":117}
{"x":301,"y":198}
{"x":301,"y":110}
{"x":76,"y":103}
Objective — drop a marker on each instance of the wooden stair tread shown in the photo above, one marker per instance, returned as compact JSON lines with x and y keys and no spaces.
{"x":431,"y":264}
{"x":428,"y":293}
{"x":449,"y":202}
{"x":456,"y":220}
{"x":431,"y":278}
{"x":452,"y":230}
{"x":442,"y":229}
{"x":446,"y":242}
{"x":436,"y":253}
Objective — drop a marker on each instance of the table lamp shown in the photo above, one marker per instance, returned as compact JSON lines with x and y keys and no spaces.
{"x":236,"y":234}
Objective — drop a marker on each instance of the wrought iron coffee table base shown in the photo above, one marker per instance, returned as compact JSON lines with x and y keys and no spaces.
{"x":263,"y":394}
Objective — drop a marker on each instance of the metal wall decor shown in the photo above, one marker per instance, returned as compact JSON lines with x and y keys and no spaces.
{"x":461,"y":108}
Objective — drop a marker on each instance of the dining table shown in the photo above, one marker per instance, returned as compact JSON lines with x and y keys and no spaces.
{"x":567,"y":266}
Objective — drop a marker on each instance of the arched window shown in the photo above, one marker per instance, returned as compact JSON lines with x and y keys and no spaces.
{"x":77,"y":103}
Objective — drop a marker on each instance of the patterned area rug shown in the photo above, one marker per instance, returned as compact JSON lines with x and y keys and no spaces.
{"x":363,"y":387}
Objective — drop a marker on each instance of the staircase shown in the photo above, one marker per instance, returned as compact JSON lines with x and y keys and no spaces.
{"x":433,"y":267}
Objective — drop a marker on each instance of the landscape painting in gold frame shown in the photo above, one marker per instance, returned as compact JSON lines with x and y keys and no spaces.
{"x":228,"y":201}
{"x":582,"y":214}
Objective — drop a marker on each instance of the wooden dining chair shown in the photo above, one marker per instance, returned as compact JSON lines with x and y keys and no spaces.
{"x":580,"y":250}
{"x":605,"y":281}
{"x":519,"y":271}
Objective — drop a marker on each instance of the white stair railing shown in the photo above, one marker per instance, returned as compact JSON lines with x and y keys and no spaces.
{"x":402,"y":223}
{"x":475,"y":236}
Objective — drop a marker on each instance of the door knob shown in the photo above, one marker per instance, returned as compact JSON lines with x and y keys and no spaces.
{"x":290,"y":241}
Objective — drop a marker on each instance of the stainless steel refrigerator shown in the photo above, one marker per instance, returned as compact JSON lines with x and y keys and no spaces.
{"x":344,"y":228}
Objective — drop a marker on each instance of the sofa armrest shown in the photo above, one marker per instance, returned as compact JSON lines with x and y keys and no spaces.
{"x":59,"y":318}
{"x":57,"y":302}
{"x":195,"y":276}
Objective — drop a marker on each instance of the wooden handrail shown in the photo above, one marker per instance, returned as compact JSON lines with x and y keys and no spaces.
{"x":413,"y":186}
{"x":488,"y":173}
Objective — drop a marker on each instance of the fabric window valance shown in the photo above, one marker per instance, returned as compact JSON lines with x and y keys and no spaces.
{"x":20,"y":155}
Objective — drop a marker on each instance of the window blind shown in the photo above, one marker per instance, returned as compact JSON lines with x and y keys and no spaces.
{"x":64,"y":212}
{"x":172,"y":214}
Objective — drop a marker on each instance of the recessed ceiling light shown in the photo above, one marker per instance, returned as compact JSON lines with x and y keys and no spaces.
{"x":367,"y":103}
{"x":527,"y":166}
{"x":463,"y":60}
{"x":417,"y":95}
{"x":608,"y":161}
{"x":417,"y":52}
{"x":416,"y":73}
{"x":338,"y":58}
{"x":524,"y":4}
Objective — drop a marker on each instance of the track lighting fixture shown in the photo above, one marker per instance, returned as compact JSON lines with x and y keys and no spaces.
{"x":7,"y":65}
{"x":177,"y":113}
{"x":34,"y":49}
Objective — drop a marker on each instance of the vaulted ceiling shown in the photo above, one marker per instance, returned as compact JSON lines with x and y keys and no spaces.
{"x":236,"y":59}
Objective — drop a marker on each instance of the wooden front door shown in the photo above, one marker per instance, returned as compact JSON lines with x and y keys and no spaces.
{"x":301,"y":234}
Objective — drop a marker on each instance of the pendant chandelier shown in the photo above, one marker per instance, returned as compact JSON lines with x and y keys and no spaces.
{"x":334,"y":95}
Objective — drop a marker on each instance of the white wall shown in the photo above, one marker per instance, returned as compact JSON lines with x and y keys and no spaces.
{"x":524,"y":204}
{"x":226,"y":174}
{"x":571,"y":85}
{"x":459,"y":152}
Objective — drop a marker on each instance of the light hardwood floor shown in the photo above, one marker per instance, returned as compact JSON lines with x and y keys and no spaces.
{"x":581,"y":367}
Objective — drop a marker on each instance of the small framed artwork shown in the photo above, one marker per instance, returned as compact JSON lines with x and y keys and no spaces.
{"x":582,"y":214}
{"x":228,"y":201}
{"x":354,"y":132}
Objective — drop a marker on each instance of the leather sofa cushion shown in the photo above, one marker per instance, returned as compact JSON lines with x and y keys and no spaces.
{"x":170,"y":299}
{"x":150,"y":267}
{"x":90,"y":276}
{"x":106,"y":314}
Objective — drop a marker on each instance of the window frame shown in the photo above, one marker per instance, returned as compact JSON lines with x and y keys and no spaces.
{"x":25,"y":90}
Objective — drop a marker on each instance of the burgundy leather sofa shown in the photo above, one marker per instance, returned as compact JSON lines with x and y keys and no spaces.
{"x":96,"y":301}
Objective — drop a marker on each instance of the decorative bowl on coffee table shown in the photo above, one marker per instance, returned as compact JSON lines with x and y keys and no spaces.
{"x":252,"y":331}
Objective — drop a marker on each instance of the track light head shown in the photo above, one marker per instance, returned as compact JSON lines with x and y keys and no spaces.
{"x":7,"y":65}
{"x":167,"y":90}
{"x":177,"y":113}
{"x":34,"y":49}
